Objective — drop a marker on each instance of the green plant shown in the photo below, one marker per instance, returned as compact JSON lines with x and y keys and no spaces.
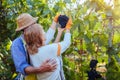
{"x":113,"y":68}
{"x":90,"y":32}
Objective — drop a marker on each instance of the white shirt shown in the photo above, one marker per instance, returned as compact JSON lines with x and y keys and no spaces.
{"x":50,"y":52}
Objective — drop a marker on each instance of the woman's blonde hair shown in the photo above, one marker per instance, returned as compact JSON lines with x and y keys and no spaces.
{"x":33,"y":36}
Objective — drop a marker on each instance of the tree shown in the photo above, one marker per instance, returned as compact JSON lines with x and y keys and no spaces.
{"x":89,"y":31}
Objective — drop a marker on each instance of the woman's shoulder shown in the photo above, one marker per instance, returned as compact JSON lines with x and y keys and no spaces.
{"x":47,"y":50}
{"x":52,"y":46}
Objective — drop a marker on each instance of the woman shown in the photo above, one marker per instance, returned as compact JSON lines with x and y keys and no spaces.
{"x":18,"y":50}
{"x":38,"y":51}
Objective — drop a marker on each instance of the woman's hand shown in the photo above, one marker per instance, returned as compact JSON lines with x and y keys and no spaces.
{"x":55,"y":21}
{"x":69,"y":23}
{"x":60,"y":30}
{"x":56,"y":18}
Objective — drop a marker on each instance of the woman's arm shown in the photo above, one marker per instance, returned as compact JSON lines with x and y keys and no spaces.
{"x":67,"y":37}
{"x":51,"y":31}
{"x":66,"y":42}
{"x":59,"y":34}
{"x":58,"y":48}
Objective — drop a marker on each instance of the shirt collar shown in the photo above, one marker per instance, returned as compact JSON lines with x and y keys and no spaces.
{"x":22,"y":37}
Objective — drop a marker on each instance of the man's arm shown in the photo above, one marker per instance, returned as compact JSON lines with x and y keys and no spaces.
{"x":47,"y":66}
{"x":22,"y":66}
{"x":19,"y":57}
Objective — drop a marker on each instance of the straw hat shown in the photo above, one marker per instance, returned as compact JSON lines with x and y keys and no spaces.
{"x":25,"y":20}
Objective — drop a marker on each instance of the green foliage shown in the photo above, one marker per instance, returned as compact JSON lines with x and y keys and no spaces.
{"x":89,"y":33}
{"x":113,"y":68}
{"x":3,"y":22}
{"x":6,"y":65}
{"x":9,"y":10}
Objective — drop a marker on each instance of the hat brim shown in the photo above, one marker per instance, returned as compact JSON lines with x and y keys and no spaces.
{"x":23,"y":27}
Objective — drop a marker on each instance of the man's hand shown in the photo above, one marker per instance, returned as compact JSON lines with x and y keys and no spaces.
{"x":48,"y":66}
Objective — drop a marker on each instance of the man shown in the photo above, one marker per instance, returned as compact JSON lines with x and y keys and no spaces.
{"x":18,"y":50}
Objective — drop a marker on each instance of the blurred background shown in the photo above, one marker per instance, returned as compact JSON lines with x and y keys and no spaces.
{"x":95,"y":34}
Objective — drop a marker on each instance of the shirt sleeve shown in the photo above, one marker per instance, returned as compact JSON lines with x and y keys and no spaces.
{"x":49,"y":35}
{"x":66,"y":42}
{"x":19,"y":58}
{"x":63,"y":45}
